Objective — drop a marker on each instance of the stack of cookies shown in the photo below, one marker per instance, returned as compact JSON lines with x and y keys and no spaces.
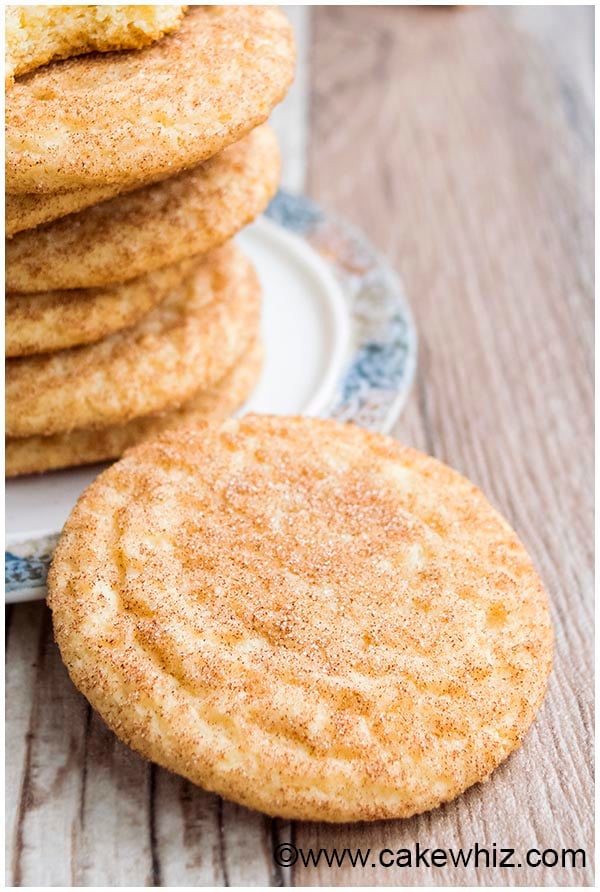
{"x":128,"y":308}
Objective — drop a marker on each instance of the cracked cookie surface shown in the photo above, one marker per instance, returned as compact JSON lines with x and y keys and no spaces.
{"x":135,"y":116}
{"x":304,"y":617}
{"x":184,"y":344}
{"x":83,"y":446}
{"x":133,"y":234}
{"x":36,"y":35}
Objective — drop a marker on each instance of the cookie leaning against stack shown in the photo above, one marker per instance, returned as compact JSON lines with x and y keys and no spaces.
{"x":304,"y":617}
{"x":125,"y":173}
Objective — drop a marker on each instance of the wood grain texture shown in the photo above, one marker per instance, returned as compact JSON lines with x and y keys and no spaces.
{"x":462,"y":143}
{"x":466,"y":154}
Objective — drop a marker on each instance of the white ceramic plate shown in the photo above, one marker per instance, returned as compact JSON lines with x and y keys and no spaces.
{"x":339,"y":341}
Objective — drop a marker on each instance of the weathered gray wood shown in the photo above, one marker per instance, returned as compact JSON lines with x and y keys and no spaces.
{"x":466,"y":153}
{"x":51,"y":754}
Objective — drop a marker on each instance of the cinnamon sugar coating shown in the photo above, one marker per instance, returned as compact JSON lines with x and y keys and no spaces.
{"x":306,"y":618}
{"x":184,"y":344}
{"x":31,"y":209}
{"x":152,"y":227}
{"x":55,"y":320}
{"x":32,"y":455}
{"x":131,"y":116}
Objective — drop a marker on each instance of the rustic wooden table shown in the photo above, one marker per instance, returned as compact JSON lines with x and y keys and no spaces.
{"x":462,"y":142}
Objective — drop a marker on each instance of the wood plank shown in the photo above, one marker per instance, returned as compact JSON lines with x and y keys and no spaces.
{"x":115,"y":833}
{"x":467,"y":158}
{"x":566,"y":36}
{"x":45,"y":835}
{"x":23,"y":626}
{"x":202,"y":840}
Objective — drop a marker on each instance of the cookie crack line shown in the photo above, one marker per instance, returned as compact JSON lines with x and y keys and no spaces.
{"x":184,"y":344}
{"x":213,"y":671}
{"x":126,"y":117}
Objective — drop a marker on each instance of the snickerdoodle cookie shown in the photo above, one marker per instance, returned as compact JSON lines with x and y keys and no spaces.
{"x":36,"y":35}
{"x":54,"y":320}
{"x":34,"y":208}
{"x":184,"y":344}
{"x":32,"y":455}
{"x":131,"y":116}
{"x":307,"y":618}
{"x":152,"y":227}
